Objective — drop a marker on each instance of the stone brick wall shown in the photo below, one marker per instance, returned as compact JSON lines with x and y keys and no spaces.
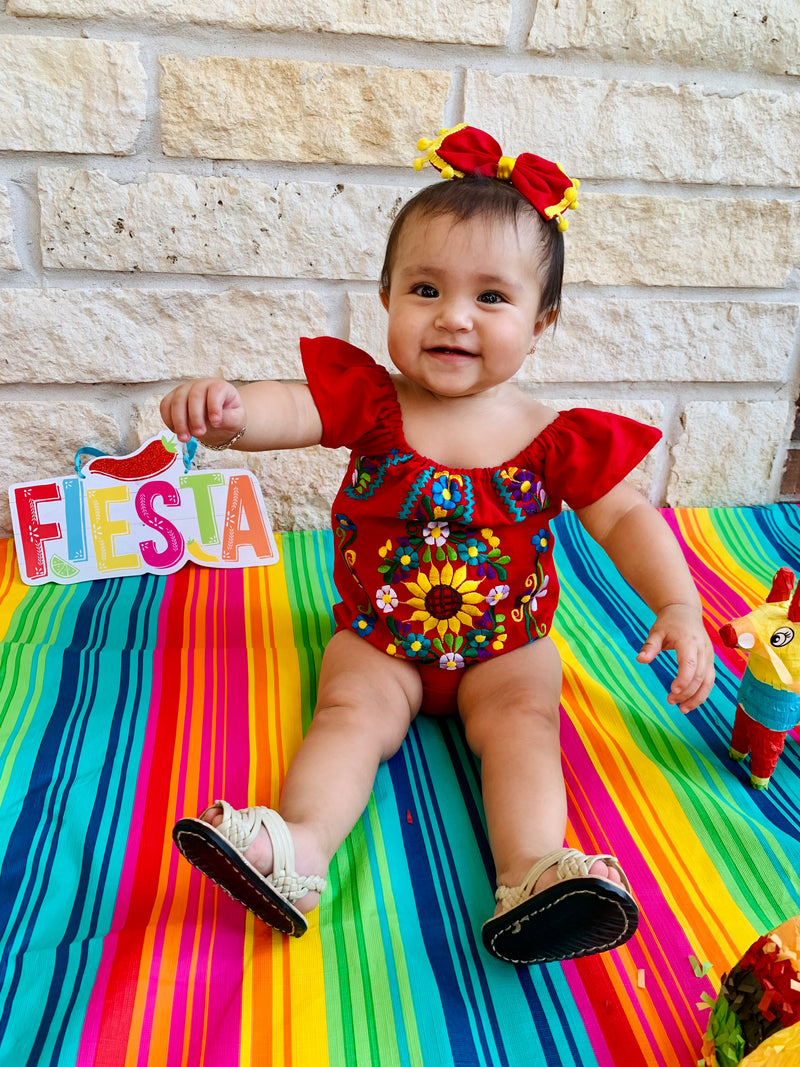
{"x":187,"y":186}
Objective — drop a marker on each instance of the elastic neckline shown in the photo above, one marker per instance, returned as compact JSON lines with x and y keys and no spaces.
{"x":518,"y":460}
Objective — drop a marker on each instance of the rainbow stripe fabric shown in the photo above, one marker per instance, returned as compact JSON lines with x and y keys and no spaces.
{"x":128,"y":703}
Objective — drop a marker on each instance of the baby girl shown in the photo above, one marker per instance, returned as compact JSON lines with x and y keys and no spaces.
{"x":445,"y":565}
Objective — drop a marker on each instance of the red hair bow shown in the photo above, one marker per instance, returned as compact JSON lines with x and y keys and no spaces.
{"x":467,"y":150}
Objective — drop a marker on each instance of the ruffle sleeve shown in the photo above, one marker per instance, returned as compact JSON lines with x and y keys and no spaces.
{"x":354,"y":395}
{"x":588,"y":452}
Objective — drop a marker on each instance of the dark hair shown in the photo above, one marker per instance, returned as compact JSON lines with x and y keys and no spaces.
{"x":475,"y":196}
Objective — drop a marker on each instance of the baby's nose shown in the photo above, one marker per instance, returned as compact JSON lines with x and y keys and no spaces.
{"x":454,"y":315}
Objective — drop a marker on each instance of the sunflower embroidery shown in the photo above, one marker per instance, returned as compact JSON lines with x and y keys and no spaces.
{"x":444,"y":600}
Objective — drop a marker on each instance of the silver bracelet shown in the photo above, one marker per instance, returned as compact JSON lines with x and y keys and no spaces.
{"x":225,"y":444}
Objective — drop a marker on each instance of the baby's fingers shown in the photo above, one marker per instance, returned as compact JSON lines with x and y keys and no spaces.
{"x":693,"y":682}
{"x":651,"y":648}
{"x":693,"y":695}
{"x":220,"y":401}
{"x":174,"y":412}
{"x":194,"y":408}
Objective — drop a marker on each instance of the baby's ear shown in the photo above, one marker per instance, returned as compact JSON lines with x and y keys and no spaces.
{"x":385,"y":298}
{"x":545,"y":321}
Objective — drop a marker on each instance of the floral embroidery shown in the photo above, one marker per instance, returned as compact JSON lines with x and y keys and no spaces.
{"x":386,"y":599}
{"x":480,"y":639}
{"x":439,"y":494}
{"x":541,"y":541}
{"x":364,"y":474}
{"x":527,"y":603}
{"x":403,"y":559}
{"x":451,"y":661}
{"x":525,"y":489}
{"x":369,"y":473}
{"x":415,"y":492}
{"x":522,"y":491}
{"x":444,"y":600}
{"x":530,"y":601}
{"x":345,"y":533}
{"x":472,"y":551}
{"x":416,"y":646}
{"x":446,"y":492}
{"x":444,"y":581}
{"x":436,"y":533}
{"x":406,"y":557}
{"x":345,"y":523}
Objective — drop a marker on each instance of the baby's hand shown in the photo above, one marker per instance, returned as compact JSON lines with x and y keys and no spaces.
{"x":679,"y":627}
{"x":199,"y":408}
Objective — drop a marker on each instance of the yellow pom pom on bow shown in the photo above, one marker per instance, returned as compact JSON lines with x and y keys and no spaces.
{"x":466,"y":149}
{"x":430,"y":147}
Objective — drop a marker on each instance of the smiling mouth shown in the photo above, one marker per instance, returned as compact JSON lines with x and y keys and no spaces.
{"x":446,"y":350}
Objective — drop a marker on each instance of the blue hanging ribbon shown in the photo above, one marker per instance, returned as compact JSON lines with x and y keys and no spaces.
{"x":95,"y":453}
{"x":189,"y":450}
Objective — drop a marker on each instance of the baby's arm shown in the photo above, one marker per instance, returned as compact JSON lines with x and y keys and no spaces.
{"x":273,"y":414}
{"x":647,"y":555}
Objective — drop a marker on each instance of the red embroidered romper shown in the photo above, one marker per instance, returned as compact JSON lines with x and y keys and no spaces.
{"x":441,"y":566}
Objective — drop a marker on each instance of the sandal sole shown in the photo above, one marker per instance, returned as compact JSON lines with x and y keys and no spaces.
{"x":574,"y":918}
{"x":215,"y":857}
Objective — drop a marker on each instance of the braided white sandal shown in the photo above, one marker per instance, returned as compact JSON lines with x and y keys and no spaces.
{"x":217,"y":852}
{"x":579,"y":915}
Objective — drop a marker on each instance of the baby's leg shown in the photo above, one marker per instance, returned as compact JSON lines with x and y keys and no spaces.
{"x":510,"y":709}
{"x":366,"y":702}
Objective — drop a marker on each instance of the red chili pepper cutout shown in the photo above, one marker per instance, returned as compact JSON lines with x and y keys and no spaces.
{"x":153,"y":458}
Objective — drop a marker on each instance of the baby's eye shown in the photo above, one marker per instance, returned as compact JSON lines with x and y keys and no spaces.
{"x":491,"y":298}
{"x":428,"y":291}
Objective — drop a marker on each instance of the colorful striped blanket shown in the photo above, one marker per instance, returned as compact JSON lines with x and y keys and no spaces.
{"x":128,"y":703}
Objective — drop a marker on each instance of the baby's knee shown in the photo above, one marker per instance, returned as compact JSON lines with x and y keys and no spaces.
{"x":524,"y":715}
{"x":381,"y":725}
{"x":531,"y":711}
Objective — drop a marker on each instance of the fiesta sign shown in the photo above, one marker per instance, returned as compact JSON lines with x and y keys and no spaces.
{"x":135,"y":514}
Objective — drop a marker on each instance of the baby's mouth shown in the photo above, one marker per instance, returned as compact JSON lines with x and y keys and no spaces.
{"x":446,"y":350}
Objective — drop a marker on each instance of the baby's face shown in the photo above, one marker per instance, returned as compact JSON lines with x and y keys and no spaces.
{"x":463,"y":304}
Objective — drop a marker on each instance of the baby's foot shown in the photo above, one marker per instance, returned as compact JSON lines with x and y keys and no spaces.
{"x":585,"y":908}
{"x":599,"y":869}
{"x":308,"y":857}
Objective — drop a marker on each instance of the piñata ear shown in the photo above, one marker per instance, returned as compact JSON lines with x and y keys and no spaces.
{"x":782,"y":586}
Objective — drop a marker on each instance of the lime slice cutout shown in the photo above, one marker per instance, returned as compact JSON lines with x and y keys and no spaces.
{"x":61,"y":568}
